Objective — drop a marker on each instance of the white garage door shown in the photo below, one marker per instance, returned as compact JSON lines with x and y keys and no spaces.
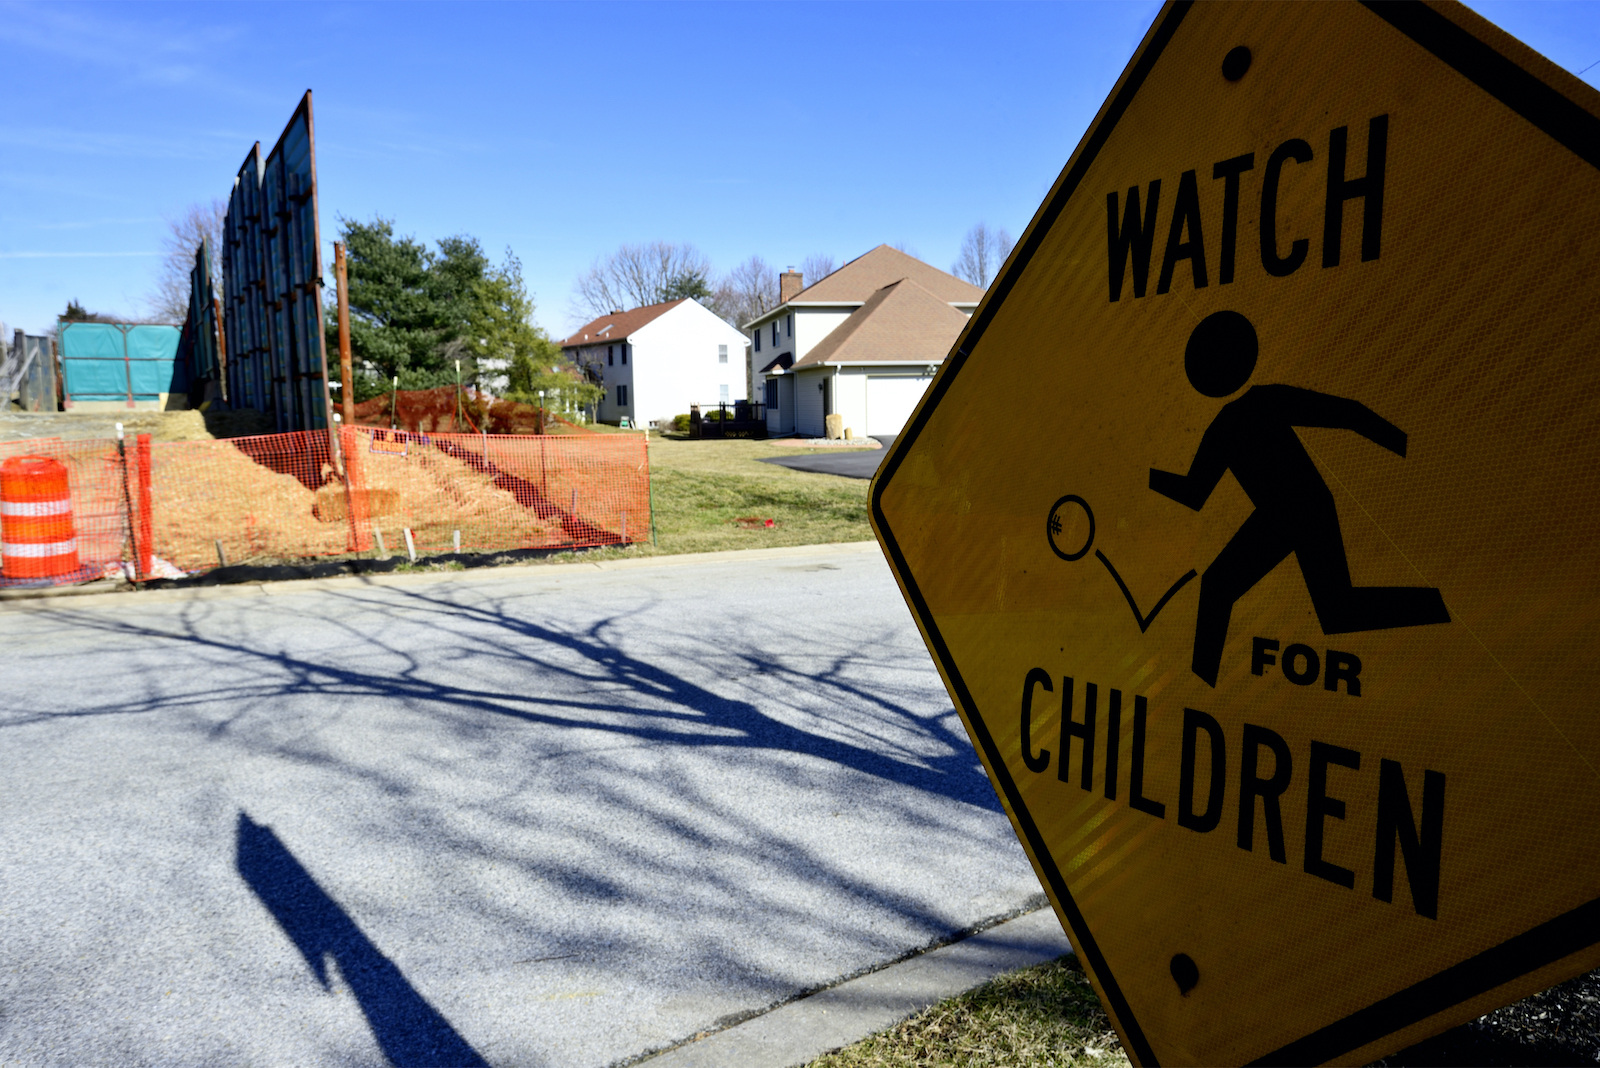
{"x":890,"y":402}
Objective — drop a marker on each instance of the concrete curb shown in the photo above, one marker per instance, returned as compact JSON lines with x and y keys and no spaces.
{"x":98,"y":594}
{"x":801,"y":1031}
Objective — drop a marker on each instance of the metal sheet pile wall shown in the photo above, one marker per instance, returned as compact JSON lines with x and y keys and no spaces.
{"x":273,"y":278}
{"x":200,"y":350}
{"x":29,"y":370}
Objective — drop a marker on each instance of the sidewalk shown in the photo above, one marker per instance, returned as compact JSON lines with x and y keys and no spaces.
{"x":803,"y":1030}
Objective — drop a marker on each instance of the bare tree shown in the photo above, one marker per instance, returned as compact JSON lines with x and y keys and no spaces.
{"x":746,"y":291}
{"x":636,"y":275}
{"x":983,"y":251}
{"x":169,"y":300}
{"x":905,"y":247}
{"x":817,"y":267}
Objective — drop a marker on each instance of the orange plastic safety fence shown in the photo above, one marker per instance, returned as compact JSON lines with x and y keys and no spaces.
{"x":501,"y":491}
{"x":266,"y":499}
{"x":98,"y":493}
{"x":195,"y":505}
{"x":282,"y":497}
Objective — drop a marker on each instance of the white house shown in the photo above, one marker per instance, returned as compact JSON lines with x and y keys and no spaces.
{"x":863,"y":342}
{"x":657,"y":360}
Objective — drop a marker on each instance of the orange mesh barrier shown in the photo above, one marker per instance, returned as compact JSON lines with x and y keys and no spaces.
{"x":263,"y":499}
{"x":500,"y":492}
{"x":282,"y":497}
{"x":97,"y":492}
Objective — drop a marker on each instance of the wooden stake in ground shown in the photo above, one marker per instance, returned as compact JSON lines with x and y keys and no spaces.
{"x":347,"y":382}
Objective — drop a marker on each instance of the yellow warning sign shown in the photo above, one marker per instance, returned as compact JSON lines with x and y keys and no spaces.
{"x":1253,"y":526}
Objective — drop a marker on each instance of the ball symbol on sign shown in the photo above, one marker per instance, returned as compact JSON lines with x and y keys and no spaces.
{"x":1070,"y":523}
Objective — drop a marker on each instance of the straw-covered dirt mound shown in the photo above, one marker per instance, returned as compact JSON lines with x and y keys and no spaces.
{"x":435,"y":494}
{"x":208,"y":492}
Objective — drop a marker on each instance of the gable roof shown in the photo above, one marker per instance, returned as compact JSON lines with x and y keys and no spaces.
{"x":901,"y":323}
{"x":781,"y":364}
{"x":865,"y":275}
{"x":618,"y":325}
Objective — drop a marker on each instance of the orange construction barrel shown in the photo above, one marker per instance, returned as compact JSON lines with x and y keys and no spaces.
{"x":37,"y":540}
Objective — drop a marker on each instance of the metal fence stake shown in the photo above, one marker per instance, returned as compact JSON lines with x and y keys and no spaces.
{"x":457,"y":538}
{"x":383,"y":550}
{"x":222,"y":558}
{"x":411,"y":546}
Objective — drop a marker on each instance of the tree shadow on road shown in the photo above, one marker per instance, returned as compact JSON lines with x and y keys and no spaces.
{"x":607,"y":760}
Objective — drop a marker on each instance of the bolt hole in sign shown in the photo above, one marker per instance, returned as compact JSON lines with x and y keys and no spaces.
{"x":1278,"y":638}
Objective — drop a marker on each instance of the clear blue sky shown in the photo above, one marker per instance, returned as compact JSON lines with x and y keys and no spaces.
{"x":563,"y":130}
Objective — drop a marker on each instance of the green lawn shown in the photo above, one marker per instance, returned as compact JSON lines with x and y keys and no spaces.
{"x":1046,"y":1016}
{"x":703,"y":488}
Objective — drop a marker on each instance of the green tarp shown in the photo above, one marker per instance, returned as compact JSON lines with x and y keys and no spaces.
{"x":120,"y":361}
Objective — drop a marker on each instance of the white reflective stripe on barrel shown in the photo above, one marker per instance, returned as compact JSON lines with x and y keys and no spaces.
{"x":33,"y":508}
{"x":47,"y":548}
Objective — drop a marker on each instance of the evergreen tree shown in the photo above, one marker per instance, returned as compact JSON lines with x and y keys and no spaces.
{"x":505,"y":331}
{"x":411,"y":309}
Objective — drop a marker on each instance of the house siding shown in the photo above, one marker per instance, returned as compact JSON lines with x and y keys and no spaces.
{"x":808,"y":403}
{"x":672,"y":363}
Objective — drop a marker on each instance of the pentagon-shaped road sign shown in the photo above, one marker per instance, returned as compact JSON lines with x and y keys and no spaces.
{"x":1252,"y":524}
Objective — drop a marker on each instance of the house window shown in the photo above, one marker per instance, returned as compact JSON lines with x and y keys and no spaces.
{"x":723,"y":397}
{"x":622,"y":396}
{"x":772,"y":393}
{"x":788,"y":326}
{"x":611,"y":356}
{"x":758,"y":339}
{"x":774,"y":331}
{"x":722,"y":354}
{"x":624,"y":349}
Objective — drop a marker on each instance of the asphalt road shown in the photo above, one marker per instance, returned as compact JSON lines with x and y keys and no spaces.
{"x":535,"y":816}
{"x":855,"y":464}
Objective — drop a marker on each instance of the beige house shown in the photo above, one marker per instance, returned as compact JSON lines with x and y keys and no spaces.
{"x":864,"y":342}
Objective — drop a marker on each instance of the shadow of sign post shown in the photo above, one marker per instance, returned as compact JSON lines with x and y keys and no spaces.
{"x":407,"y":1028}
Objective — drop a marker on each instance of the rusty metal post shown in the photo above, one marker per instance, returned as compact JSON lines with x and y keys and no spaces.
{"x":347,"y":389}
{"x":222,"y":350}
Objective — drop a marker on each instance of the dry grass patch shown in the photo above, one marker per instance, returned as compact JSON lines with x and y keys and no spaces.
{"x":1046,"y":1016}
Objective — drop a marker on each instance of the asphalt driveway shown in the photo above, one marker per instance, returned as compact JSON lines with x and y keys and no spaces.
{"x":863,"y":464}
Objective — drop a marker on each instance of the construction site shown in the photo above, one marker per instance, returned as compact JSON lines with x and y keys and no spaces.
{"x":137,"y":451}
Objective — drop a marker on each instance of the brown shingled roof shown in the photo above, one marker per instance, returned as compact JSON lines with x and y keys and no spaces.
{"x":901,"y":323}
{"x":865,"y":275}
{"x":618,"y":325}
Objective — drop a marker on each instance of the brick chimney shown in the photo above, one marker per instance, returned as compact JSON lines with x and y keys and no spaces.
{"x":790,"y":283}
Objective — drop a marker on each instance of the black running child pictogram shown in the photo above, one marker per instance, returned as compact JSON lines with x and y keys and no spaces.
{"x":1254,"y":438}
